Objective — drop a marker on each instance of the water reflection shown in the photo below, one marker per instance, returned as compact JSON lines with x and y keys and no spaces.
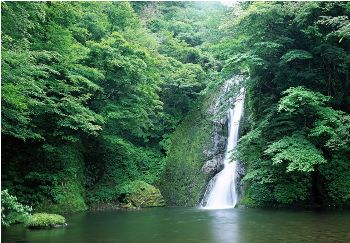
{"x":38,"y":235}
{"x":224,"y":225}
{"x":177,"y":225}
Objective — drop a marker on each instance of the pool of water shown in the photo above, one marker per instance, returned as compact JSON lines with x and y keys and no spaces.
{"x":180,"y":225}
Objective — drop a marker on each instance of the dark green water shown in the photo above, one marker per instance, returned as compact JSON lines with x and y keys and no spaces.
{"x":193,"y":225}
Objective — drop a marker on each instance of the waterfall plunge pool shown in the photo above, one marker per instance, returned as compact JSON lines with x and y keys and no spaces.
{"x":180,"y":225}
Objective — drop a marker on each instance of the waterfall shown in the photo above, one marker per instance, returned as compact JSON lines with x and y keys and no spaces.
{"x":221,"y":191}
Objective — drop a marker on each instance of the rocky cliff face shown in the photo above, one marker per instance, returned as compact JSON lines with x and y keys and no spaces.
{"x":214,"y":153}
{"x":196,"y":153}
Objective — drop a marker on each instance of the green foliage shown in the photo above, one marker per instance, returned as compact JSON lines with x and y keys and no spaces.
{"x":341,"y":24}
{"x":55,"y":184}
{"x":93,"y":92}
{"x":300,"y":99}
{"x":90,"y":97}
{"x":296,"y":55}
{"x":297,"y":98}
{"x":297,"y":101}
{"x":47,"y":83}
{"x":295,"y":189}
{"x":336,"y":178}
{"x":297,"y":151}
{"x":44,"y":220}
{"x":123,"y":162}
{"x":12,"y":211}
{"x":67,"y":197}
{"x":332,"y":126}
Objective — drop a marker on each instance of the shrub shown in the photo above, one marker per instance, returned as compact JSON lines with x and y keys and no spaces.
{"x":12,"y":211}
{"x":44,"y":220}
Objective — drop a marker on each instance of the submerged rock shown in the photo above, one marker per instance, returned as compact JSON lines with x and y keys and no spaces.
{"x":143,"y":195}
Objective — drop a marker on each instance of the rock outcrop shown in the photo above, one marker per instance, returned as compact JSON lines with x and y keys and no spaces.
{"x":196,"y":153}
{"x":143,"y":195}
{"x":216,"y":150}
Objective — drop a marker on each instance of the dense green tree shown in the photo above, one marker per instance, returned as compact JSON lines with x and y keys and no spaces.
{"x":297,"y":57}
{"x":91,"y":97}
{"x":93,"y":92}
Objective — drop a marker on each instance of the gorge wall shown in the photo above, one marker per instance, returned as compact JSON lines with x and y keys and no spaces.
{"x":196,"y":153}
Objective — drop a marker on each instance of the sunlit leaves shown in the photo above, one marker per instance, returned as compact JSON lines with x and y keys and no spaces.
{"x":46,"y":83}
{"x":12,"y":211}
{"x":298,"y":99}
{"x":333,"y":127}
{"x":296,"y":55}
{"x":329,"y":125}
{"x":297,"y":152}
{"x":341,"y":23}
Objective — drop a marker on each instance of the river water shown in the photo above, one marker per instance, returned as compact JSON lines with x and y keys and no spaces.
{"x":179,"y":225}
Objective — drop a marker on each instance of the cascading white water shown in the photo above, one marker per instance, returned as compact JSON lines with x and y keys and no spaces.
{"x":222,"y":192}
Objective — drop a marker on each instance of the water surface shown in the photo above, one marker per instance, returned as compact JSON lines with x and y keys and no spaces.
{"x":180,"y":225}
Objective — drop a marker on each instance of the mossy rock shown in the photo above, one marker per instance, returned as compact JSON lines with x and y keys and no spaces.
{"x":182,"y":183}
{"x":45,"y":220}
{"x":142,"y":195}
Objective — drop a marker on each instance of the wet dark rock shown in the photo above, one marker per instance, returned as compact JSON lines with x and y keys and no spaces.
{"x":214,"y":154}
{"x":213,"y":166}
